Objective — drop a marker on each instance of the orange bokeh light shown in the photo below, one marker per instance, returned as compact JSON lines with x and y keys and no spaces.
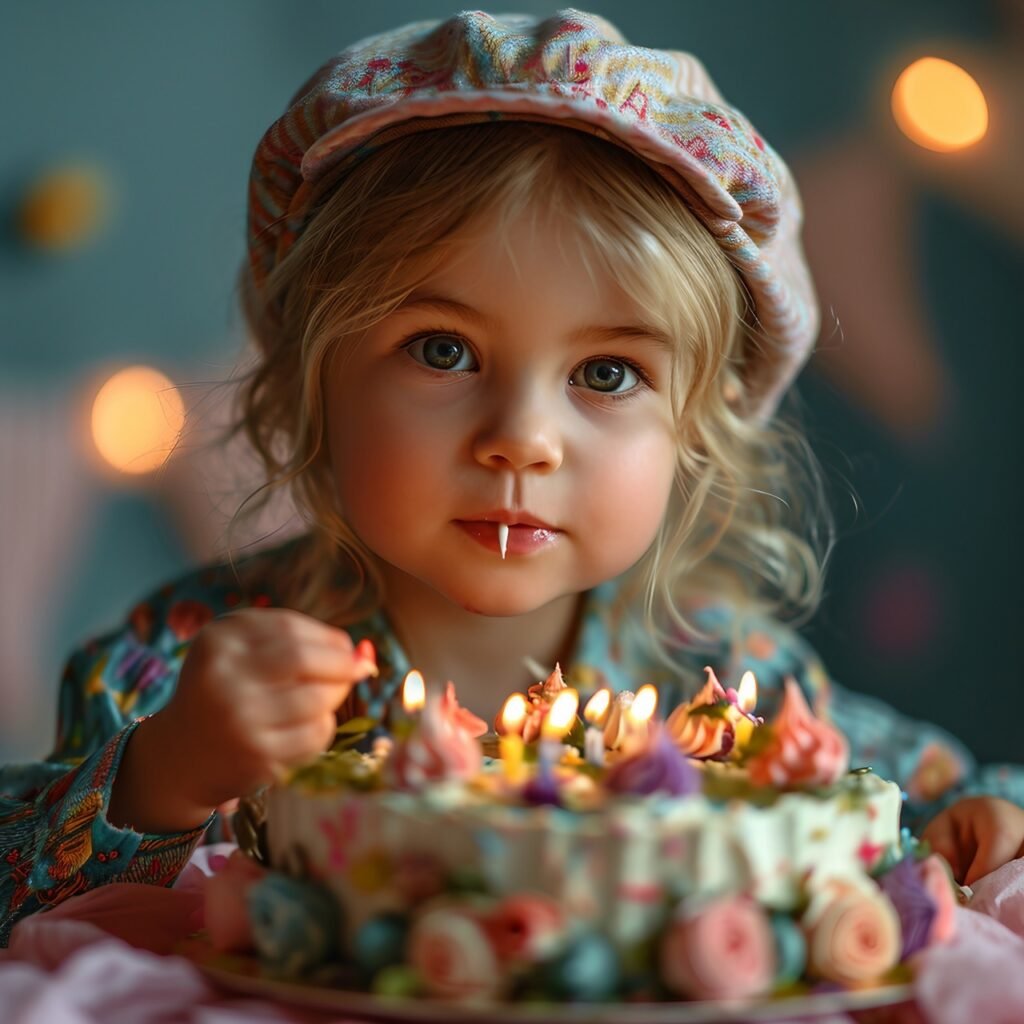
{"x":137,"y":418}
{"x":938,"y":105}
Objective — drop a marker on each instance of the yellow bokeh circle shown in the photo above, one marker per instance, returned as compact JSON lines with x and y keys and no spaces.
{"x":137,"y":417}
{"x":938,"y":105}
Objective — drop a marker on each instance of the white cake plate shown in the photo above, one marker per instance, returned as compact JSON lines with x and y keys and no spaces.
{"x":365,"y":1006}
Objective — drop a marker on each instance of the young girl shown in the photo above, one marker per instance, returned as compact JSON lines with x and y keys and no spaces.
{"x":525,"y":299}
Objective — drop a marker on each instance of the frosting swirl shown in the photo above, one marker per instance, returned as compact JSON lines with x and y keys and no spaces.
{"x":702,"y":735}
{"x":802,"y":748}
{"x":615,"y":728}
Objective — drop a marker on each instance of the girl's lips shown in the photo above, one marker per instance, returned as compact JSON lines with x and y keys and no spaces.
{"x":522,"y":540}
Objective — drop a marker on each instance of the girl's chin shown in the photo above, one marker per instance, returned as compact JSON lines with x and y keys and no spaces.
{"x":505,"y":602}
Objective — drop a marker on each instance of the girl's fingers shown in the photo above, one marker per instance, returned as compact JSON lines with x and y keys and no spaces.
{"x":940,"y":837}
{"x":996,"y":847}
{"x":303,"y":701}
{"x":295,"y":744}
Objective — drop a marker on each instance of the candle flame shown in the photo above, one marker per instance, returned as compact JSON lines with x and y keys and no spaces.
{"x":513,"y":715}
{"x":561,"y":715}
{"x":414,"y":692}
{"x":597,"y":707}
{"x":644,"y":705}
{"x":746,"y":695}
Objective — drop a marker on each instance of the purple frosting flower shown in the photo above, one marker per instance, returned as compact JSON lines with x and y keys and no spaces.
{"x":660,"y":767}
{"x":914,"y":904}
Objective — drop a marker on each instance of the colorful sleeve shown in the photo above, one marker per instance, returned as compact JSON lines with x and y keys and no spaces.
{"x":55,"y":838}
{"x":931,"y":766}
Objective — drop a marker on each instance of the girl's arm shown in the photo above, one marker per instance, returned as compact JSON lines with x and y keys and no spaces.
{"x":56,"y":838}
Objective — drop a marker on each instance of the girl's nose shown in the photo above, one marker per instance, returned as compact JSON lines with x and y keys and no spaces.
{"x":520,"y":432}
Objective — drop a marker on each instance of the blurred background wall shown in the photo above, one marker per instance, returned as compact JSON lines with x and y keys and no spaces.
{"x":128,"y":130}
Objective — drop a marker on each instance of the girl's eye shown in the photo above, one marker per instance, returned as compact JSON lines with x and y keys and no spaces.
{"x":607,"y":376}
{"x":441,"y":352}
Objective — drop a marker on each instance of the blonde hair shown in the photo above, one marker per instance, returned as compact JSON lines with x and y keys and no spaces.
{"x":747,"y":517}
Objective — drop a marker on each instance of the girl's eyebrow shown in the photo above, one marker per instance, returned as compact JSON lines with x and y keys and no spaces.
{"x":444,"y":304}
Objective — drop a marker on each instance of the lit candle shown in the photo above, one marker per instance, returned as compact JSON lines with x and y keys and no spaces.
{"x":557,"y":722}
{"x":414,"y":693}
{"x":596,"y":714}
{"x":639,"y":714}
{"x":510,"y":742}
{"x":743,"y":702}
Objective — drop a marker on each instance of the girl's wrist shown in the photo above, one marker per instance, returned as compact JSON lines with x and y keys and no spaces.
{"x":150,"y":789}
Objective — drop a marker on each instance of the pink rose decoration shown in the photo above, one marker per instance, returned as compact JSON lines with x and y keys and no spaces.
{"x":853,"y":936}
{"x":527,"y":928}
{"x":225,"y":907}
{"x":725,"y":950}
{"x":803,"y":750}
{"x":440,"y":748}
{"x":451,"y":953}
{"x":938,"y":883}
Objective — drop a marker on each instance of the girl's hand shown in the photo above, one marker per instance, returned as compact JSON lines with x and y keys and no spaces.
{"x":257,"y":693}
{"x":977,"y":835}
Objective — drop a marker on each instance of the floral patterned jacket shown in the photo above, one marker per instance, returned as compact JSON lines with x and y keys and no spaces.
{"x":56,"y":841}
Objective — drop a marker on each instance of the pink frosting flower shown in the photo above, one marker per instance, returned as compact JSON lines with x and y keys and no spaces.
{"x":225,"y":910}
{"x":450,"y":951}
{"x":440,"y":747}
{"x":853,"y":935}
{"x":938,"y":883}
{"x":527,"y":927}
{"x":463,"y":716}
{"x":725,"y":950}
{"x":803,"y":749}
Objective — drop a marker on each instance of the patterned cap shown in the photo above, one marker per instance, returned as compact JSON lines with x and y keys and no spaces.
{"x":573,"y":69}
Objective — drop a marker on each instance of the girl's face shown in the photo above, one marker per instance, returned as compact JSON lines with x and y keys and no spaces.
{"x":511,"y":386}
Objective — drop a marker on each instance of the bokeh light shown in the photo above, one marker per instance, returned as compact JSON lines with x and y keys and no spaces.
{"x":65,"y":207}
{"x":137,"y":417}
{"x":938,"y":105}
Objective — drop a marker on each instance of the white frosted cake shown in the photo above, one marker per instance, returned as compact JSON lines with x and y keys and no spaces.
{"x":424,"y":868}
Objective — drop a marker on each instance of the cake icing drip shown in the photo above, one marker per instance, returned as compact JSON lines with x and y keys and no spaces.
{"x":440,"y":748}
{"x":802,"y":749}
{"x":699,"y":731}
{"x":657,"y":768}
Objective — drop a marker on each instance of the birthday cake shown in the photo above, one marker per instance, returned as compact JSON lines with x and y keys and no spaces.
{"x":708,"y":856}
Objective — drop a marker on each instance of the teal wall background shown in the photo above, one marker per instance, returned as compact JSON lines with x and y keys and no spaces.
{"x":170,"y":100}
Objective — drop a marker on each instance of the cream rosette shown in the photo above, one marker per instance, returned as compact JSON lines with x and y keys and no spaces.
{"x":853,"y":933}
{"x":453,"y":957}
{"x":724,"y":949}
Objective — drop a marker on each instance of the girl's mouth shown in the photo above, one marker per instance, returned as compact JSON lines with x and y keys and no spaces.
{"x":522,"y":539}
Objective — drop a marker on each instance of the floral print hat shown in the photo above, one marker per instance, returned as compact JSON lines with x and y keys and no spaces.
{"x":573,"y":69}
